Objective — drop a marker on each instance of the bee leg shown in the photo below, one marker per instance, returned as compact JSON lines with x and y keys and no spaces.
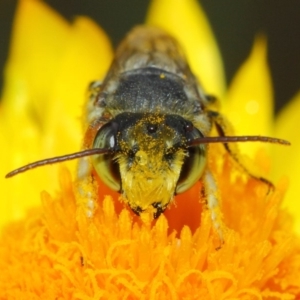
{"x":211,"y":196}
{"x":211,"y":102}
{"x":223,"y":127}
{"x":211,"y":99}
{"x":94,"y":85}
{"x":86,"y":187}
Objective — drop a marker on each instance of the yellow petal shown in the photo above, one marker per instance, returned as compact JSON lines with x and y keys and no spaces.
{"x":38,"y":33}
{"x":50,"y":66}
{"x":86,"y":57}
{"x":287,"y":159}
{"x":249,"y":102}
{"x":186,"y":21}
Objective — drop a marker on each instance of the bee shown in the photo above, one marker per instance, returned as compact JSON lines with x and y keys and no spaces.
{"x":148,"y":126}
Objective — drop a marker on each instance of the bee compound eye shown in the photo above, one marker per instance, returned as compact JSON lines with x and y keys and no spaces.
{"x":192,"y":168}
{"x":194,"y":163}
{"x":106,"y":136}
{"x":105,"y":165}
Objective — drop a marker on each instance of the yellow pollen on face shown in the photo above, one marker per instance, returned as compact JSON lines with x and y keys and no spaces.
{"x":141,"y":158}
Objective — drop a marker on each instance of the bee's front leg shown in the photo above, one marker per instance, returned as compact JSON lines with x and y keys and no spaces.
{"x":224,"y":129}
{"x":86,"y":187}
{"x":211,"y":195}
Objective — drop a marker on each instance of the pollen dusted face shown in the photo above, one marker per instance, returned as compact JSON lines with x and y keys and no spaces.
{"x":150,"y":164}
{"x":149,"y":159}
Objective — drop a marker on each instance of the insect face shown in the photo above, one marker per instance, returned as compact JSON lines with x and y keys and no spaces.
{"x":150,"y":159}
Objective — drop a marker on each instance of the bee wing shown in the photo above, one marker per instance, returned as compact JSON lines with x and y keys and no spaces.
{"x":150,"y":47}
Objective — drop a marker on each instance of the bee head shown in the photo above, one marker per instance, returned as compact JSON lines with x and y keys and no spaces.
{"x":150,"y":161}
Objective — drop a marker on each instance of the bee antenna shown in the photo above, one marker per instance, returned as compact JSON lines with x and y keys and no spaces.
{"x":236,"y":139}
{"x":57,"y":159}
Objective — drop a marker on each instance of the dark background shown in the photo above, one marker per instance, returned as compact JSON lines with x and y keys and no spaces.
{"x":235,"y":23}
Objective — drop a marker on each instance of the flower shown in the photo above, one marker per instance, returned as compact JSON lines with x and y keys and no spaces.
{"x":39,"y":86}
{"x":114,"y":255}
